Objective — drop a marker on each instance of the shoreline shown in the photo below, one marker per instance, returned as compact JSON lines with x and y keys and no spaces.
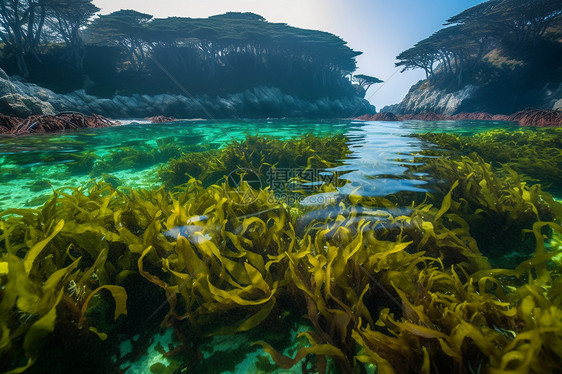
{"x":17,"y":126}
{"x":526,"y":118}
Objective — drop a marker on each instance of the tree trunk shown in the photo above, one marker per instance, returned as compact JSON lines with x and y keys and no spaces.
{"x":22,"y":66}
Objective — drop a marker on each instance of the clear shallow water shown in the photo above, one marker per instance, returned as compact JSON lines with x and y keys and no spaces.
{"x":381,"y":151}
{"x":379,"y":165}
{"x":25,"y":160}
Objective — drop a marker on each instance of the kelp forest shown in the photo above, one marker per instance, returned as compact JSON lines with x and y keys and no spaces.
{"x":464,"y":278}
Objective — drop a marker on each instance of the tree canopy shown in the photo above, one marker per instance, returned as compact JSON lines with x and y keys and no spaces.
{"x":221,"y":33}
{"x":469,"y":35}
{"x":129,"y":52}
{"x":66,"y":18}
{"x":21,"y":24}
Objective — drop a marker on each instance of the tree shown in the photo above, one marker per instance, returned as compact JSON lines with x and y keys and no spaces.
{"x":21,"y":24}
{"x":421,"y":56}
{"x":471,"y":34}
{"x":235,"y":45}
{"x":125,"y":28}
{"x":530,"y":19}
{"x":366,"y":81}
{"x":515,"y":20}
{"x":67,"y":18}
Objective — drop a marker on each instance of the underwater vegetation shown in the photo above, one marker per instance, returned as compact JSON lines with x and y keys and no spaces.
{"x":532,"y":152}
{"x":182,"y":158}
{"x":267,"y":158}
{"x":128,"y":157}
{"x":136,"y":158}
{"x":404,"y":283}
{"x":496,"y":204}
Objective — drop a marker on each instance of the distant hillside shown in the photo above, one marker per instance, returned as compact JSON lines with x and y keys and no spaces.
{"x":216,"y":63}
{"x":500,"y":57}
{"x":133,"y":53}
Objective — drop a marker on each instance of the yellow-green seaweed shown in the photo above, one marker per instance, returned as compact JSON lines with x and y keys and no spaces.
{"x":405,"y":289}
{"x":534,"y":152}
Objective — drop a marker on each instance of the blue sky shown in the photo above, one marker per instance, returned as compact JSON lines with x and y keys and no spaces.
{"x":381,"y":29}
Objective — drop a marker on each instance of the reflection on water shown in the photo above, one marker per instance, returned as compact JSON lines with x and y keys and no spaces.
{"x":377,"y":165}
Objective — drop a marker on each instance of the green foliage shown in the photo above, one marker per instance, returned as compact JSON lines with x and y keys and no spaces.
{"x":137,"y":157}
{"x":532,"y":152}
{"x":405,"y":289}
{"x":453,"y":312}
{"x":82,"y":163}
{"x":134,"y":158}
{"x":220,"y":55}
{"x":239,"y":28}
{"x":67,"y":18}
{"x":363,"y":82}
{"x":123,"y":28}
{"x":495,"y":200}
{"x":495,"y":25}
{"x":496,"y":207}
{"x":267,"y":157}
{"x":23,"y":26}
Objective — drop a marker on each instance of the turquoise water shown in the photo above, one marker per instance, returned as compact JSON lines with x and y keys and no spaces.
{"x":385,"y":194}
{"x":381,"y":151}
{"x":26,"y":159}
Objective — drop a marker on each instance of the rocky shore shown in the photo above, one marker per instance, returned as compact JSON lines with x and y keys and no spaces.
{"x":10,"y":125}
{"x":425,"y":98}
{"x":527,"y":117}
{"x":21,"y":99}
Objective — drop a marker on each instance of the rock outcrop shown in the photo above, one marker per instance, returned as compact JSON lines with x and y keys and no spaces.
{"x":21,"y":103}
{"x":161,"y":119}
{"x":538,"y":118}
{"x":23,"y":99}
{"x":423,"y":99}
{"x":383,"y":116}
{"x":527,"y":117}
{"x":10,"y":125}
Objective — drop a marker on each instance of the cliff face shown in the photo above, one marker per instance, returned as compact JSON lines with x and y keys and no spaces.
{"x":425,"y":98}
{"x":499,"y":57}
{"x":22,"y":99}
